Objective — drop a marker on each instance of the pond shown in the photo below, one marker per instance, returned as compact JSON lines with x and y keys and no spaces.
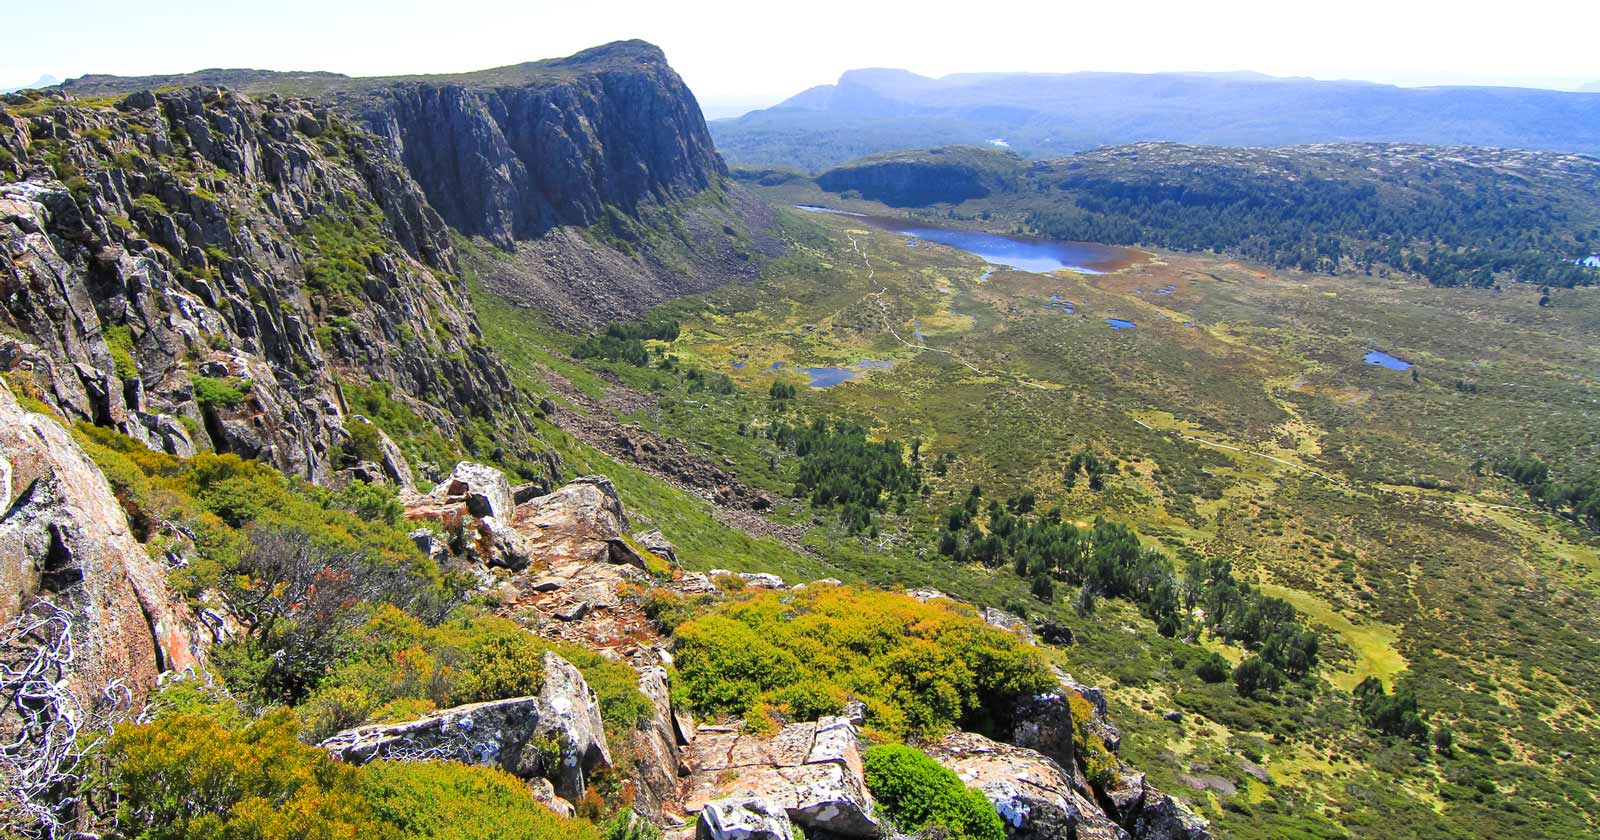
{"x":1384,"y":360}
{"x":1024,"y":253}
{"x":827,"y":377}
{"x":1119,"y":324}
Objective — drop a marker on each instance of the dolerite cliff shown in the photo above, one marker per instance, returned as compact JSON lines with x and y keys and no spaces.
{"x":612,"y":126}
{"x":201,"y":270}
{"x":593,"y":176}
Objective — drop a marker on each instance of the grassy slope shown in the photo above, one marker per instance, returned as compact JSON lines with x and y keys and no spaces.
{"x":1481,"y":609}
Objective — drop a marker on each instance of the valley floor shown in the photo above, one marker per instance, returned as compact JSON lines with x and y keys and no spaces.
{"x":1247,"y":426}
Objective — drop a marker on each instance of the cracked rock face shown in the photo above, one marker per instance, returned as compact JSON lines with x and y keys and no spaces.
{"x":743,"y":818}
{"x":64,"y":539}
{"x":811,"y":770}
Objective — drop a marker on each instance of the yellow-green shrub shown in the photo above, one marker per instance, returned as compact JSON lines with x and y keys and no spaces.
{"x":188,"y":776}
{"x":920,"y":668}
{"x":917,"y":794}
{"x":399,"y":668}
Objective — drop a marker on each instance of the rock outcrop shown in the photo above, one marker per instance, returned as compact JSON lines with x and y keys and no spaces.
{"x":557,"y":735}
{"x":581,"y":522}
{"x":64,"y":541}
{"x":1035,"y":796}
{"x":743,"y":818}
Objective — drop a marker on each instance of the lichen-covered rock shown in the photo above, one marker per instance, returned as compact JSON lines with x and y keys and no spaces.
{"x":1165,"y":818}
{"x":812,"y":771}
{"x":570,"y":717}
{"x":658,"y":544}
{"x":1036,"y":798}
{"x":743,"y":818}
{"x":64,"y":539}
{"x":483,"y":489}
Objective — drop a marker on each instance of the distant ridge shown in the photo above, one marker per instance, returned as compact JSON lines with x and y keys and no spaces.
{"x":882,"y":109}
{"x":42,"y":82}
{"x":617,"y":55}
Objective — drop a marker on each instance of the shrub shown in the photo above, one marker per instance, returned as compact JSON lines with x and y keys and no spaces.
{"x":1212,"y":667}
{"x":119,"y":340}
{"x":450,"y":801}
{"x":917,"y":793}
{"x":920,"y":668}
{"x":218,"y":392}
{"x":398,"y":667}
{"x":187,"y":775}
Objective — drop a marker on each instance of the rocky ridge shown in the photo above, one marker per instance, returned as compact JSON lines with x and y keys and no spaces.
{"x":200,"y":270}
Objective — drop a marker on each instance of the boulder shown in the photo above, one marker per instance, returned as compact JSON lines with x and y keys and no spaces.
{"x":810,"y":770}
{"x":577,"y":523}
{"x":1165,"y":818}
{"x":499,"y":545}
{"x":743,"y":818}
{"x":484,"y":489}
{"x":1043,"y":722}
{"x":545,"y":794}
{"x":657,"y":544}
{"x":518,"y":735}
{"x":1008,"y":622}
{"x":758,"y":580}
{"x":1036,"y":798}
{"x":570,"y":715}
{"x":655,"y":745}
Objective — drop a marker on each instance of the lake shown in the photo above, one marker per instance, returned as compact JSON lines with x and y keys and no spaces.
{"x":1024,"y":253}
{"x":1119,"y":324}
{"x":1385,"y":360}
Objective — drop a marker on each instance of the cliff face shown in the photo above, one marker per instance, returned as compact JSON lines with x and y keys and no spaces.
{"x":510,"y":162}
{"x":201,"y":270}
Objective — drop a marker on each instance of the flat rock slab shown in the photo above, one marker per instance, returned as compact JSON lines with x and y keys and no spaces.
{"x":811,"y":770}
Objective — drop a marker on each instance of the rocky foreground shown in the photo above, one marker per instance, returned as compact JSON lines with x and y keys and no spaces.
{"x":566,"y":565}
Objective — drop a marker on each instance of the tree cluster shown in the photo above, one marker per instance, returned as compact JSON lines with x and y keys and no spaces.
{"x":840,"y":467}
{"x":1107,"y":560}
{"x":1578,"y":499}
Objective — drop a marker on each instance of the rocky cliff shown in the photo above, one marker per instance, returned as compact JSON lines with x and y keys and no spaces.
{"x":199,"y":270}
{"x":609,"y":127}
{"x":593,"y":175}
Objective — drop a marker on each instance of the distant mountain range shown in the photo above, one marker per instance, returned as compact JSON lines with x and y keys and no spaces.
{"x":877,"y":110}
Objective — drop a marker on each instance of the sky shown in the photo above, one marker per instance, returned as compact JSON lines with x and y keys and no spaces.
{"x":740,"y":55}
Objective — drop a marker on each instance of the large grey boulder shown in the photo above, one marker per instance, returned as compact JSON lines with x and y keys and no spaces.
{"x":570,"y":717}
{"x":811,"y":770}
{"x":557,"y":734}
{"x":743,"y":818}
{"x":484,"y":489}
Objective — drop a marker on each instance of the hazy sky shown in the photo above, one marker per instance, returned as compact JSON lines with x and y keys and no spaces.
{"x":739,"y":54}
